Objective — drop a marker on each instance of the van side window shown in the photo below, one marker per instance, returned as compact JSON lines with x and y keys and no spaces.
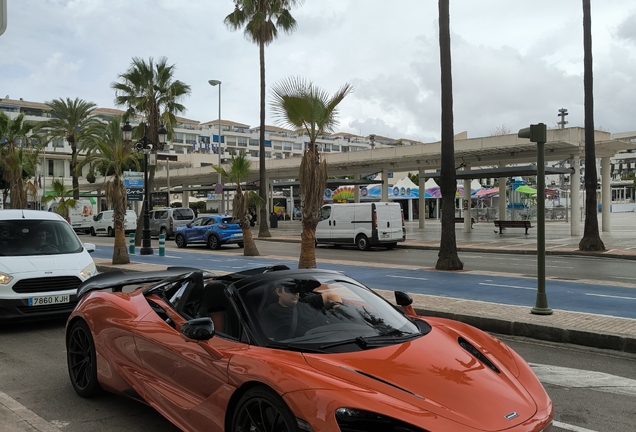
{"x":325,"y":213}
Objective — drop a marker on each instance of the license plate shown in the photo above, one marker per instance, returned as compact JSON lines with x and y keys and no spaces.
{"x":237,"y":235}
{"x":47,"y":300}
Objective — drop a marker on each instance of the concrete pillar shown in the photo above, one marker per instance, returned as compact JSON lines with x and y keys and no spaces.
{"x":385,"y":185}
{"x":575,"y":200}
{"x":356,"y":189}
{"x":422,"y":209}
{"x":270,"y":198}
{"x":502,"y":195}
{"x":410,"y":215}
{"x":466,"y":202}
{"x":185,"y":199}
{"x":606,"y":193}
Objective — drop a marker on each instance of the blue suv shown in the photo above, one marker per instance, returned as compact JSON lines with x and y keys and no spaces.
{"x":213,"y":230}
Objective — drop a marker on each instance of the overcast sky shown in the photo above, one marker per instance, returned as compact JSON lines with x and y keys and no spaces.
{"x":515,"y":62}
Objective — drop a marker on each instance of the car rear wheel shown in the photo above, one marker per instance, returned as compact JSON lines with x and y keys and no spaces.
{"x":111,"y":232}
{"x":93,"y":233}
{"x":164,"y":232}
{"x":362,"y":242}
{"x":261,"y":409}
{"x":240,"y":245}
{"x":82,"y":361}
{"x":214,"y":242}
{"x":180,"y":241}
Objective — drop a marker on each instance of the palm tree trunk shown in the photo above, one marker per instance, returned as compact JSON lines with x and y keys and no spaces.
{"x":591,"y":240}
{"x":74,"y":177}
{"x":447,"y":257}
{"x":307,"y":257}
{"x":120,"y":253}
{"x":249,"y":246}
{"x":263,"y":228}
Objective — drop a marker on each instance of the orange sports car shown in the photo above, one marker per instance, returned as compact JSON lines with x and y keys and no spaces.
{"x":273,"y":349}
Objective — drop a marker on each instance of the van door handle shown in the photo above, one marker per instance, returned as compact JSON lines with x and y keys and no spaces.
{"x":388,"y":224}
{"x":334,"y":223}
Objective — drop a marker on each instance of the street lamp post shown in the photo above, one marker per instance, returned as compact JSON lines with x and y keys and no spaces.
{"x":145,"y":146}
{"x":218,"y":148}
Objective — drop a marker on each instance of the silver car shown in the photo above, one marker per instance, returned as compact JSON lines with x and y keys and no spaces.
{"x":167,"y":220}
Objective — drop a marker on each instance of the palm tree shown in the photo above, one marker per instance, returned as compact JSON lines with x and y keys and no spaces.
{"x":299,"y":104}
{"x":18,"y":156}
{"x":61,"y":193}
{"x":109,"y":151}
{"x":447,"y":257}
{"x":148,"y":89}
{"x":258,"y":17}
{"x":243,"y":200}
{"x":72,"y":121}
{"x":591,"y":240}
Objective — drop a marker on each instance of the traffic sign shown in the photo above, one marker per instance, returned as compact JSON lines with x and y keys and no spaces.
{"x":218,"y":188}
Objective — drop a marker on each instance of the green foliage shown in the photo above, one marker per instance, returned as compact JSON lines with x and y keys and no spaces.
{"x":61,"y":194}
{"x":198,"y":207}
{"x":415,"y":178}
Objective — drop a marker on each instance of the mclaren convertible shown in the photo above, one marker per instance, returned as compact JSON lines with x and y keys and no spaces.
{"x":203,"y":351}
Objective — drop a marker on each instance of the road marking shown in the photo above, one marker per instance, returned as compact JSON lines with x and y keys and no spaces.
{"x":22,"y":417}
{"x":578,"y":378}
{"x":406,"y":277}
{"x":610,"y":296}
{"x":507,"y":286}
{"x":571,"y":427}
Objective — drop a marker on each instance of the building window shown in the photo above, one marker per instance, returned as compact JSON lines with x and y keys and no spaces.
{"x":298,"y":146}
{"x":335,"y":147}
{"x":253,"y":142}
{"x":242,"y":142}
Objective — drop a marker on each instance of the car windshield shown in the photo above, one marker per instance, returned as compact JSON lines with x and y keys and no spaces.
{"x":22,"y":237}
{"x":323,"y":312}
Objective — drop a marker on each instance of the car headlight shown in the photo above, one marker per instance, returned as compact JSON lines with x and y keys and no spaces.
{"x":5,"y":278}
{"x":355,"y":420}
{"x":89,"y":270}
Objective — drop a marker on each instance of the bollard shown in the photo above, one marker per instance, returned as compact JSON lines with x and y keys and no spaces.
{"x":131,"y":247}
{"x":162,"y":245}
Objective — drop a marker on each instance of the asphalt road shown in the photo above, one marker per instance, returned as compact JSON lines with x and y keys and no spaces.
{"x":592,"y":390}
{"x":513,"y":288}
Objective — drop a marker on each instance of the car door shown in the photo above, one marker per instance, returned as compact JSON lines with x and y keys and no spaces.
{"x":195,"y":233}
{"x":179,"y":376}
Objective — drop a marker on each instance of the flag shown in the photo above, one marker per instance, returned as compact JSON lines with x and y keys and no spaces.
{"x":39,"y":180}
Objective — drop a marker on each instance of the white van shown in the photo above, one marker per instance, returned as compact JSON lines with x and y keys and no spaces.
{"x":103,"y":223}
{"x":361,"y":224}
{"x":80,"y":216}
{"x":42,"y":262}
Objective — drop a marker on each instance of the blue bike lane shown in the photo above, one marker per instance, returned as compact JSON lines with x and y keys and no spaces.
{"x":615,"y":301}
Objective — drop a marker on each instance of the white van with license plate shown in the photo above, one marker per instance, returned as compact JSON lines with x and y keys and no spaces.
{"x":42,"y":262}
{"x":361,"y":224}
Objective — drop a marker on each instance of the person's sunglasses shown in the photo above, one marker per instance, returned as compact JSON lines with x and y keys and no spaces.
{"x":290,"y":290}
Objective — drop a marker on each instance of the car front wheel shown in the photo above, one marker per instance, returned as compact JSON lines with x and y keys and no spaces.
{"x":261,"y":409}
{"x":214,"y":242}
{"x":180,"y":241}
{"x":362,"y":242}
{"x":82,"y":360}
{"x":93,"y":233}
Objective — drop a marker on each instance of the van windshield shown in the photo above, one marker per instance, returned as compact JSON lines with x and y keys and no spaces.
{"x":22,"y":237}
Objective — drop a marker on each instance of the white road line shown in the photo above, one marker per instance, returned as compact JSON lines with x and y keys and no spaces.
{"x":23,"y":418}
{"x":406,"y":277}
{"x":508,"y":286}
{"x":578,"y":378}
{"x":611,"y":296}
{"x":561,"y":267}
{"x":571,"y":427}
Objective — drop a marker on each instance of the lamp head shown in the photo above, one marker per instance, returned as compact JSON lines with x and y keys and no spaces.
{"x":127,"y":132}
{"x":214,"y":82}
{"x":163,"y":135}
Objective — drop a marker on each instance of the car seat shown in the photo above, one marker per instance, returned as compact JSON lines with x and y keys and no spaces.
{"x":216,"y":305}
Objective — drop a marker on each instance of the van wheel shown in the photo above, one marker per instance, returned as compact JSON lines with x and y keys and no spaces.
{"x":362,"y":242}
{"x":164,"y":232}
{"x":390,"y":246}
{"x":93,"y":233}
{"x":111,"y":232}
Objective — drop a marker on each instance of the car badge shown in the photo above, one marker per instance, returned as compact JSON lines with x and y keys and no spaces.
{"x":511,"y":415}
{"x":48,"y":272}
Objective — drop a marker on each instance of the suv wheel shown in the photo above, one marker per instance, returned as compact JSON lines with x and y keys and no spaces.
{"x":180,"y":241}
{"x":214,"y":242}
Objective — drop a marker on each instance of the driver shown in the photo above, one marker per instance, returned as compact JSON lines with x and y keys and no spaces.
{"x":293,"y":315}
{"x":38,"y":240}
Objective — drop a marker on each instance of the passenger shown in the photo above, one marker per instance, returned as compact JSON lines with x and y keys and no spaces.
{"x":278,"y":318}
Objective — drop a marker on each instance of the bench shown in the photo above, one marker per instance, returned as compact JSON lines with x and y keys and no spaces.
{"x":460,"y":220}
{"x":501,"y":224}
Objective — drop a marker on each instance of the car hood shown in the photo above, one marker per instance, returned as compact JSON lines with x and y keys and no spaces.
{"x":434,"y":373}
{"x":38,"y":264}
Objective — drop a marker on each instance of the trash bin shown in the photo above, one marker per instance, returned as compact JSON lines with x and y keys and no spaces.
{"x":273,"y":220}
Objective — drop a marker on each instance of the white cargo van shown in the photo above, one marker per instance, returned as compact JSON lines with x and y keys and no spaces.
{"x":361,"y":224}
{"x":103,"y":223}
{"x":80,"y":216}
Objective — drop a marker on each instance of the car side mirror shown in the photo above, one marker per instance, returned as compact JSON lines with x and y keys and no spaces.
{"x":95,"y":218}
{"x":189,"y":225}
{"x":198,"y":329}
{"x":403,"y":299}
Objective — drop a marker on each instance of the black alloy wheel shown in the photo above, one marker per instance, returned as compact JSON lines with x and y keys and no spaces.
{"x":180,"y":241}
{"x":262,"y":410}
{"x":214,"y":242}
{"x":82,"y":360}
